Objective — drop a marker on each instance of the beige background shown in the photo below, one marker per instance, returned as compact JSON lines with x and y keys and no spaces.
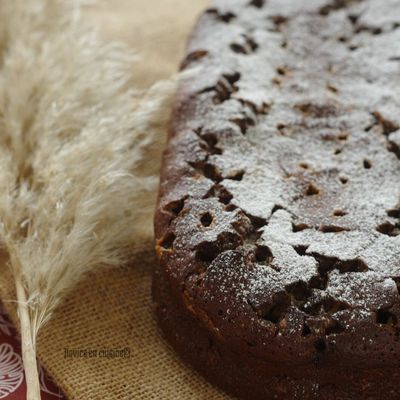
{"x":156,"y":29}
{"x":112,"y":309}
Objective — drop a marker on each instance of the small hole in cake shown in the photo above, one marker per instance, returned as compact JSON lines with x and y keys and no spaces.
{"x":243,"y":123}
{"x":257,"y":3}
{"x":298,"y":290}
{"x":337,"y":151}
{"x":332,"y":88}
{"x":343,"y":179}
{"x":263,"y":109}
{"x":212,"y":141}
{"x":343,"y":136}
{"x":237,"y":48}
{"x":206,"y":219}
{"x":228,"y":17}
{"x":353,"y":47}
{"x":353,"y":18}
{"x":281,"y":71}
{"x":175,"y":207}
{"x":255,"y":108}
{"x":193,"y":57}
{"x":394,"y":212}
{"x":394,"y":148}
{"x":332,"y":229}
{"x":278,"y":310}
{"x":319,"y":281}
{"x":212,"y":172}
{"x":284,"y":44}
{"x":249,"y":46}
{"x":206,"y":252}
{"x":257,"y":222}
{"x":356,"y":265}
{"x":230,"y":207}
{"x":220,"y":313}
{"x":276,"y":208}
{"x":224,"y":17}
{"x":370,"y":126}
{"x":312,"y":190}
{"x":304,"y":165}
{"x":301,"y":250}
{"x":167,"y":241}
{"x":298,"y":227}
{"x":219,"y":192}
{"x":339,"y":213}
{"x":224,"y":88}
{"x":281,"y":128}
{"x":387,"y":228}
{"x":225,"y":197}
{"x":320,"y":345}
{"x":264,"y":254}
{"x":279,"y":21}
{"x":236,"y":175}
{"x":367,"y":164}
{"x":385,"y":317}
{"x":230,"y":240}
{"x":327,"y":136}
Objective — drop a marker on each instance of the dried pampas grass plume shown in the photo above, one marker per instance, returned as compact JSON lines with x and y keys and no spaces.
{"x":74,"y":187}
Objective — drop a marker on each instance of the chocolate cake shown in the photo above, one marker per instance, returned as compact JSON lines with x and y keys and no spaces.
{"x":278,"y":220}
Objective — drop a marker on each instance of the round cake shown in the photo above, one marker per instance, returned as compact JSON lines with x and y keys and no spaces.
{"x":278,"y":220}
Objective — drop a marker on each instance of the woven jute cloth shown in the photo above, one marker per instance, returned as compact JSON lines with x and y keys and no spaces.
{"x":112,"y":310}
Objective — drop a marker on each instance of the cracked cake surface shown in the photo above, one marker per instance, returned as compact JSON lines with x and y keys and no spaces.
{"x":279,"y":212}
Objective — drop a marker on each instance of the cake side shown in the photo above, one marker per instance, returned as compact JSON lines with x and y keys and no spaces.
{"x":247,"y":377}
{"x":278,"y":219}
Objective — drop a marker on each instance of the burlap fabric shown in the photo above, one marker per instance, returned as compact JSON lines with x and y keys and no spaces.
{"x":112,"y":309}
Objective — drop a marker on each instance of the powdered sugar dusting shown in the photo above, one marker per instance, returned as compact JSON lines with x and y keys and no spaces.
{"x":296,"y":115}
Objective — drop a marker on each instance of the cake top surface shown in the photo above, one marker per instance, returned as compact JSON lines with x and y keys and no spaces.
{"x":282,"y":175}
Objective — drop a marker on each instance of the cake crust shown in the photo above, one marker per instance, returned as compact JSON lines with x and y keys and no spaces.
{"x":277,"y":226}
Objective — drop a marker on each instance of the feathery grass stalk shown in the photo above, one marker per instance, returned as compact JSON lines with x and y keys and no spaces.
{"x":76,"y":184}
{"x":27,"y":343}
